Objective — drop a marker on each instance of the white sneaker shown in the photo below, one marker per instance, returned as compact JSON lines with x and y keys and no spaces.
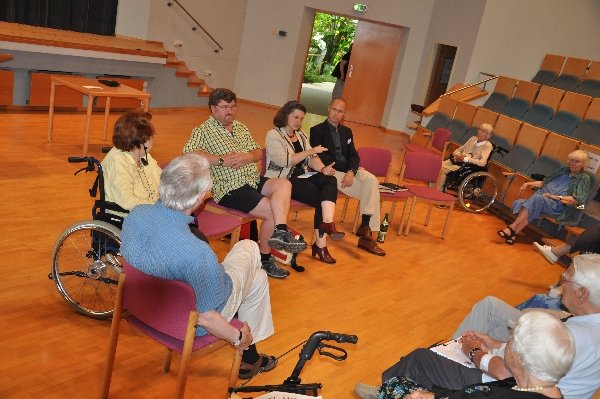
{"x":366,"y":391}
{"x":546,"y":252}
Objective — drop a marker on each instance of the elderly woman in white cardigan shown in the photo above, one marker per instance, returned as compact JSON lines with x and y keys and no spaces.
{"x":289,"y":155}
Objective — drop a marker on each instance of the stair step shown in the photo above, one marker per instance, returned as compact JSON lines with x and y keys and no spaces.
{"x":183,"y":71}
{"x":195,"y":81}
{"x":172,"y":61}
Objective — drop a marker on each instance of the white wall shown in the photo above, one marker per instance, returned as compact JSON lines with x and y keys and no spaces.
{"x":455,"y":23}
{"x":515,"y":35}
{"x":224,"y":20}
{"x":270,"y":66}
{"x":132,"y":18}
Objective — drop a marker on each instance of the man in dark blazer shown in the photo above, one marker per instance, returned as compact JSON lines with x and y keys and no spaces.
{"x":352,"y":180}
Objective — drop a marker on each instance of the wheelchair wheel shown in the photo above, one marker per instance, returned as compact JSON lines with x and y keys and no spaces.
{"x":86,"y":264}
{"x":477,"y":192}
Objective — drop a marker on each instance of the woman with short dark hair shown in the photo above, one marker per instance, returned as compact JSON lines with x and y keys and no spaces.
{"x":289,"y":155}
{"x":131,"y":175}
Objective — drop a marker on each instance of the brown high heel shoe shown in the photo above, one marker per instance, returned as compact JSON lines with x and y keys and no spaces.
{"x":323,"y":254}
{"x":330,"y":229}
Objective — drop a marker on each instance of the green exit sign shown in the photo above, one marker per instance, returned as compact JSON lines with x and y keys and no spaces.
{"x":360,"y":7}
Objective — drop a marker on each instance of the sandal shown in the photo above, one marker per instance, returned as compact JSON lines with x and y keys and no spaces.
{"x":508,"y":238}
{"x":512,"y":239}
{"x":248,"y":371}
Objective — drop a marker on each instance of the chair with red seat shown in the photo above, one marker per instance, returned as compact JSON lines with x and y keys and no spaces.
{"x":165,"y":311}
{"x":439,"y":144}
{"x":426,"y":168}
{"x":378,"y":162}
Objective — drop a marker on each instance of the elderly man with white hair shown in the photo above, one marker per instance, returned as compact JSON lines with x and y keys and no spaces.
{"x":157,"y":240}
{"x":475,"y":151}
{"x":491,"y":318}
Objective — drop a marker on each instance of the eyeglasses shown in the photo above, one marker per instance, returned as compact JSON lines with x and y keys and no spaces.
{"x":563,"y":279}
{"x":226,"y":107}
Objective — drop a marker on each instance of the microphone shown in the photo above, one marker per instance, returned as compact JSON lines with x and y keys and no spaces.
{"x":142,"y":160}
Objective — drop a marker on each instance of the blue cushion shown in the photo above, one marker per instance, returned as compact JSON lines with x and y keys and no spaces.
{"x":500,"y":142}
{"x":589,"y":87}
{"x":519,"y":159}
{"x":566,"y":82}
{"x":458,"y":129}
{"x":588,"y":131}
{"x":496,"y":102}
{"x":545,"y":165}
{"x":439,"y":119}
{"x":544,"y":77}
{"x":539,"y":115}
{"x":563,"y":123}
{"x":516,"y":108}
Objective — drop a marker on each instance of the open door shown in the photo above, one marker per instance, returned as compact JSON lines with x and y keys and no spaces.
{"x":370,"y":72}
{"x":440,"y":76}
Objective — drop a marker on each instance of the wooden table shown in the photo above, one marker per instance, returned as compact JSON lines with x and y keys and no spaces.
{"x":92,"y":88}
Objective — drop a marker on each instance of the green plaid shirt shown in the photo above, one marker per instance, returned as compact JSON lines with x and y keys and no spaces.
{"x":211,"y":137}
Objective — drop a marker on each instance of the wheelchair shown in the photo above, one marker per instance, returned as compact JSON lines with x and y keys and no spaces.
{"x":475,"y":188}
{"x":86,"y":261}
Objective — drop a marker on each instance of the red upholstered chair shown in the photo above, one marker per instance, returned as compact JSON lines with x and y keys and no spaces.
{"x":427,"y":168}
{"x":378,"y":161}
{"x":165,"y":311}
{"x":217,"y":224}
{"x":439,"y":144}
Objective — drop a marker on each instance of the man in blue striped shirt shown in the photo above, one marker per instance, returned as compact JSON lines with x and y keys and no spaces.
{"x":157,"y":240}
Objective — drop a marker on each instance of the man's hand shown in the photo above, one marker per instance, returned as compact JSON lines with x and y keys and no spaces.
{"x":348,"y":179}
{"x":458,"y":157}
{"x":239,"y":159}
{"x":246,"y":339}
{"x":420,"y":395}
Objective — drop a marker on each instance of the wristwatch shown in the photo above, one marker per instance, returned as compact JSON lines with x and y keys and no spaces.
{"x":221,"y":161}
{"x":237,"y":341}
{"x":560,"y":197}
{"x":472,"y":353}
{"x":355,"y":171}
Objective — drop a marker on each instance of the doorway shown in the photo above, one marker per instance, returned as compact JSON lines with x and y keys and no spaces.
{"x":441,"y":72}
{"x":330,"y":39}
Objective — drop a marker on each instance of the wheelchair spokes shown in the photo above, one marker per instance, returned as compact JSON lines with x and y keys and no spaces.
{"x":86,"y":266}
{"x":477,"y":192}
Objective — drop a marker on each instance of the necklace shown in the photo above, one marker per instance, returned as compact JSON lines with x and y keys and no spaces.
{"x":151,"y":191}
{"x":533,"y":389}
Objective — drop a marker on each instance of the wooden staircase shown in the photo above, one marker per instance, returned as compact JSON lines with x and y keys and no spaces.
{"x":184,"y":72}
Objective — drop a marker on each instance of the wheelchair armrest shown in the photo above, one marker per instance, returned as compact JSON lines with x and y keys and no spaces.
{"x":106,"y":205}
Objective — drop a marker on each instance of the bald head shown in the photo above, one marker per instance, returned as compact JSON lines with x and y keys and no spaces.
{"x":336,"y":111}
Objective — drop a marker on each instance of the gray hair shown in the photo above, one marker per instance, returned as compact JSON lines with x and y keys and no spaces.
{"x":582,"y":156}
{"x":587,"y":274}
{"x":488,"y":128}
{"x":183,"y":180}
{"x":545,"y":346}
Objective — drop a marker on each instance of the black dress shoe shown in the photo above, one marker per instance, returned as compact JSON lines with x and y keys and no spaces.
{"x":330,"y":229}
{"x":323,"y":254}
{"x":370,"y":246}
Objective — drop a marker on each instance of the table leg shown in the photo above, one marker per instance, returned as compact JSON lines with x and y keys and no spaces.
{"x":51,"y":111}
{"x":106,"y":112}
{"x":146,"y":104}
{"x":88,"y":119}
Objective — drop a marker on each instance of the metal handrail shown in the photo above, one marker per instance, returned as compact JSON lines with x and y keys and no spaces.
{"x":471,"y":85}
{"x":197,"y":23}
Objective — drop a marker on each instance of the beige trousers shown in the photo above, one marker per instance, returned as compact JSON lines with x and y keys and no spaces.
{"x":447,"y":167}
{"x":250,"y":295}
{"x":366,"y":189}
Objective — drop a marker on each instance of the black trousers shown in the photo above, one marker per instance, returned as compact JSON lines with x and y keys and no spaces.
{"x":588,"y":241}
{"x":314,"y":190}
{"x":428,"y":368}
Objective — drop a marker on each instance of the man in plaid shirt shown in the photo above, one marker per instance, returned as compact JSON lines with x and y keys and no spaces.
{"x":232,"y":154}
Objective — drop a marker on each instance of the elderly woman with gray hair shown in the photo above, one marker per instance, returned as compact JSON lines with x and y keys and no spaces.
{"x":569,"y":185}
{"x":540,"y":351}
{"x":475,"y":151}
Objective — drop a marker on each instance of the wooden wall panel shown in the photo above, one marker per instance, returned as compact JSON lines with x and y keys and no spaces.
{"x":7,"y":81}
{"x":39,"y":92}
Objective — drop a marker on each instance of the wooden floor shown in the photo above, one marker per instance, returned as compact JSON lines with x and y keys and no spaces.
{"x":414,"y":296}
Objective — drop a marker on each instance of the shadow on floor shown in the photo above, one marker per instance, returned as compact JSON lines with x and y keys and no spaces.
{"x":316,"y":97}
